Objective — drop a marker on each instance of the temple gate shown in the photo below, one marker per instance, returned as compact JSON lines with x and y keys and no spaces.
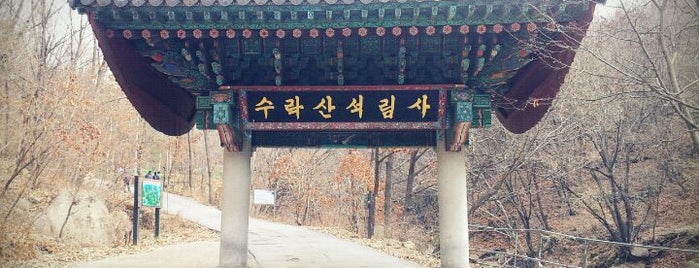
{"x":313,"y":73}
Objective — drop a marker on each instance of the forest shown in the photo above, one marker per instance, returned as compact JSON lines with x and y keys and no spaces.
{"x":613,"y":164}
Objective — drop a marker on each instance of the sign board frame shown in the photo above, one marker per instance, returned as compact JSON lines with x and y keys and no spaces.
{"x":437,"y":107}
{"x":264,"y":197}
{"x":152,"y":193}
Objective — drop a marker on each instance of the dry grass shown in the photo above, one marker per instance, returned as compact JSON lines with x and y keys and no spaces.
{"x":678,"y":213}
{"x":22,"y":246}
{"x":405,"y":249}
{"x":52,"y":252}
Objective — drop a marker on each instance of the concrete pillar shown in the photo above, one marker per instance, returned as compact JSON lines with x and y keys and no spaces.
{"x":453,"y":219}
{"x":235,"y":207}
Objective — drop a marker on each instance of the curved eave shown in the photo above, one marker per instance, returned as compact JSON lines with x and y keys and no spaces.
{"x":165,"y":106}
{"x":541,"y":79}
{"x":376,"y":14}
{"x":170,"y":108}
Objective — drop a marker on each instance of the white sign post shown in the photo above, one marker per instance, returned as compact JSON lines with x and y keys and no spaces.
{"x":263,"y":197}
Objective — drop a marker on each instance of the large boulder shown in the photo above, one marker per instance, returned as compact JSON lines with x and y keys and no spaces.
{"x":693,"y":263}
{"x":86,"y":218}
{"x":640,"y":252}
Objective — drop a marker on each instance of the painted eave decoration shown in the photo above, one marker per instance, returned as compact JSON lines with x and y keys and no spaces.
{"x":169,"y":55}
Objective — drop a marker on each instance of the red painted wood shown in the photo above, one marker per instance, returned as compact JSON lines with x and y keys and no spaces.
{"x":164,"y":105}
{"x":542,"y":79}
{"x":345,"y":88}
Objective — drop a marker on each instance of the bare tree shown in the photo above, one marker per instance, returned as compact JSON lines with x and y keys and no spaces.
{"x":653,"y":55}
{"x":413,"y":172}
{"x":618,"y":205}
{"x":388,"y":195}
{"x":53,"y":137}
{"x":189,"y":160}
{"x":208,"y":169}
{"x":377,"y":158}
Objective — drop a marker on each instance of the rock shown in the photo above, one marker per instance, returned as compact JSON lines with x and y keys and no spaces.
{"x":49,"y":224}
{"x":121,"y":227}
{"x":409,"y":245}
{"x":693,"y":263}
{"x":379,"y":231}
{"x":89,"y":222}
{"x":23,"y":205}
{"x":630,"y":265}
{"x":430,"y":250}
{"x":640,"y":252}
{"x":393,"y":243}
{"x":42,"y":226}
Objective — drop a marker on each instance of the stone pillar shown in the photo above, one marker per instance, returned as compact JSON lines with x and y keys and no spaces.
{"x":235,"y":207}
{"x":453,"y":219}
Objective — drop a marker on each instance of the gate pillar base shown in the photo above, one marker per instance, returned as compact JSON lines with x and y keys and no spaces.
{"x":235,"y":207}
{"x":453,"y":219}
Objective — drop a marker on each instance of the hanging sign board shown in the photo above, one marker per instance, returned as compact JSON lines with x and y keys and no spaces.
{"x":343,"y":106}
{"x":332,"y":116}
{"x":263,"y":197}
{"x":152,"y":193}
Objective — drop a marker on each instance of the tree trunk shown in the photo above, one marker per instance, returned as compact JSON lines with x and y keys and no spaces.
{"x":387,"y":195}
{"x":305,"y":211}
{"x":208,"y":167}
{"x":693,"y":131}
{"x":410,"y":182}
{"x":695,"y":140}
{"x":189,"y":157}
{"x":371,"y":198}
{"x":65,"y":221}
{"x":168,"y":167}
{"x":139,"y":147}
{"x":7,"y":118}
{"x":354,"y":209}
{"x":17,"y":13}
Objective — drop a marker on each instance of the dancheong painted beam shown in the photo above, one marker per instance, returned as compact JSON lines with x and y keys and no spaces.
{"x":442,"y":66}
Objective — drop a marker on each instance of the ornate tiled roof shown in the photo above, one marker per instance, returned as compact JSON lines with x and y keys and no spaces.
{"x":170,"y":49}
{"x":226,"y":3}
{"x":205,"y":14}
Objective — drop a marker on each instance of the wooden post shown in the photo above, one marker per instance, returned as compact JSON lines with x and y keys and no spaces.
{"x":584,"y":258}
{"x":157,"y":222}
{"x":516,"y":249}
{"x":541,"y":247}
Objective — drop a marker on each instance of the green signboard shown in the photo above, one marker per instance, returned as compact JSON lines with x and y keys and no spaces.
{"x":152,"y":193}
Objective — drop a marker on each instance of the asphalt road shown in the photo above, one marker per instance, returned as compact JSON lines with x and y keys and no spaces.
{"x":270,"y":245}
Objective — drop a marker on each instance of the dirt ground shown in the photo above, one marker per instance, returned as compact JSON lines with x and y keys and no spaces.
{"x":52,"y":252}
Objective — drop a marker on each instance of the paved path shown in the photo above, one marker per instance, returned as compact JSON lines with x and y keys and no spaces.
{"x":270,"y":245}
